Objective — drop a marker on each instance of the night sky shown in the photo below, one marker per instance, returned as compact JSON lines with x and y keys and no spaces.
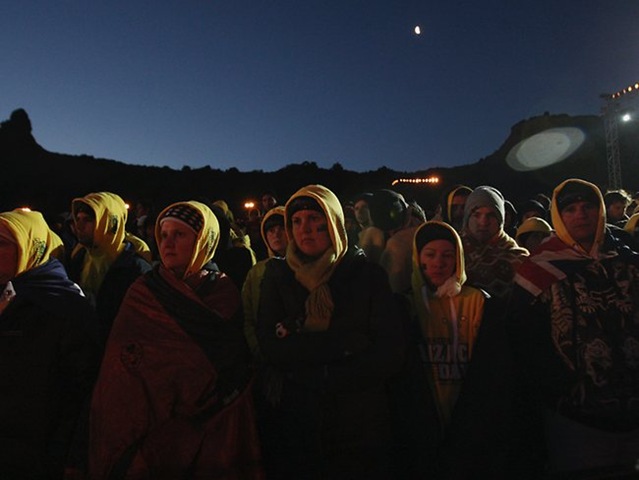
{"x":263,"y":84}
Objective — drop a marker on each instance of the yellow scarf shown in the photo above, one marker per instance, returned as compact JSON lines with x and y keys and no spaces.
{"x":314,"y":275}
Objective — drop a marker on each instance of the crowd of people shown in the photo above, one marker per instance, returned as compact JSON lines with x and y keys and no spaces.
{"x":323,"y":338}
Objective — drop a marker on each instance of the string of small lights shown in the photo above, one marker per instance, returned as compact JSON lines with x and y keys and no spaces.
{"x":428,"y":180}
{"x":630,"y":89}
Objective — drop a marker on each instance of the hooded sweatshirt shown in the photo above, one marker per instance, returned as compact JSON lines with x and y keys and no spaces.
{"x":449,"y":317}
{"x":251,"y":288}
{"x":573,"y":323}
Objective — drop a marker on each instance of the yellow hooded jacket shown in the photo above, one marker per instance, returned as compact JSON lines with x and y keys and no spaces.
{"x":251,"y":288}
{"x":449,"y":318}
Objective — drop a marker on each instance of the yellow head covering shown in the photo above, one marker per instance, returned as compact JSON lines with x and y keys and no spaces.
{"x":533,"y":224}
{"x":225,"y":208}
{"x":108,"y":237}
{"x":35,"y":240}
{"x":140,"y":246}
{"x":315,"y":274}
{"x":110,"y":221}
{"x":560,"y":228}
{"x":332,"y":208}
{"x":202,"y":219}
{"x":279,"y":210}
{"x":449,"y":199}
{"x":417,"y":278}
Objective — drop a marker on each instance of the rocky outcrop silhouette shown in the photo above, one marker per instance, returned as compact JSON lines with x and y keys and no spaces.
{"x":48,"y":181}
{"x":15,"y":135}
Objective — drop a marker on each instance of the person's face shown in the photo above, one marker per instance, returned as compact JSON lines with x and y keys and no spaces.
{"x":615,"y":211}
{"x":581,"y":219}
{"x":310,"y":232}
{"x":268,"y":202}
{"x":457,"y":209}
{"x":84,"y":228}
{"x":483,"y":224}
{"x":8,"y":256}
{"x":276,"y":239}
{"x":177,"y":242}
{"x":438,"y":260}
{"x":362,"y":212}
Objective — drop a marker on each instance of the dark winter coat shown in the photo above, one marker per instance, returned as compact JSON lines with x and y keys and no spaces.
{"x":122,"y":273}
{"x":49,"y":357}
{"x":333,"y":418}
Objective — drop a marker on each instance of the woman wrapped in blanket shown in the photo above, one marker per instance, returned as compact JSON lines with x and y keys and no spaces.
{"x":173,"y":395}
{"x":327,"y":321}
{"x":49,"y":351}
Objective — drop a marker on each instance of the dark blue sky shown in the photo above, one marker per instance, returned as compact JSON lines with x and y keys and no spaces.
{"x":263,"y":84}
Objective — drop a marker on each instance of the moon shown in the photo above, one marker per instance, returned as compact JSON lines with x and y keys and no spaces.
{"x":418,"y":30}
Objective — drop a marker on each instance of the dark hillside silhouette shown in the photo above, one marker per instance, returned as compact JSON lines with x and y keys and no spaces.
{"x":47,"y":181}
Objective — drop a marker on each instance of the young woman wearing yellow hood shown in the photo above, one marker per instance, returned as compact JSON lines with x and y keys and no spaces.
{"x":327,"y":322}
{"x":453,"y":422}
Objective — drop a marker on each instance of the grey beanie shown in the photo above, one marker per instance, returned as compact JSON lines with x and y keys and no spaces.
{"x":485,"y":196}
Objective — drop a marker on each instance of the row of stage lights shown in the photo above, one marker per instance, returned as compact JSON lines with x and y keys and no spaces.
{"x":632,"y":88}
{"x":249,"y":205}
{"x":428,"y":180}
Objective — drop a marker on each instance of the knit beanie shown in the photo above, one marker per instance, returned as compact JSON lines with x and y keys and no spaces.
{"x":185,"y":214}
{"x":532,"y":205}
{"x":273,"y":220}
{"x":302,"y":203}
{"x":576,"y":192}
{"x":485,"y":196}
{"x":388,"y":209}
{"x":433,"y":231}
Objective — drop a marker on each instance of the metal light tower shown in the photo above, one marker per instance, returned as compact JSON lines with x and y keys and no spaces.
{"x":610,"y":112}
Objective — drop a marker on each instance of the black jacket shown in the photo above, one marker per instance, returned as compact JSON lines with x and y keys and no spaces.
{"x":49,"y":357}
{"x":334,"y":404}
{"x":122,"y":273}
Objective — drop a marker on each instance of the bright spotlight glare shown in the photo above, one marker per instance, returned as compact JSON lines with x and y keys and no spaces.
{"x":545,"y":148}
{"x":626,"y":117}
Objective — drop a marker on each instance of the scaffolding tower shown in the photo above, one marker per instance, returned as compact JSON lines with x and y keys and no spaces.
{"x":611,"y":111}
